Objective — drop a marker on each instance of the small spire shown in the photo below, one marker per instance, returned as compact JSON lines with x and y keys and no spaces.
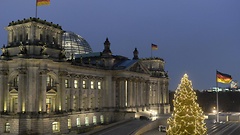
{"x":135,"y":54}
{"x":107,"y":51}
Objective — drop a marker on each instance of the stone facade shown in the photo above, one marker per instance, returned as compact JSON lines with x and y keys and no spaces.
{"x":43,"y":93}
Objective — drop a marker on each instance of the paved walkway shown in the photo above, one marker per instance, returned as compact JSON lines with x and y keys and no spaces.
{"x":154,"y":132}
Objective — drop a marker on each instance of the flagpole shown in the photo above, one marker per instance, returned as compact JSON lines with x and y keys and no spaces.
{"x":217,"y":97}
{"x":151,"y":50}
{"x":36,"y":10}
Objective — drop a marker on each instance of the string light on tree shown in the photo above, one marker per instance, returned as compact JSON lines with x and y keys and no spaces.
{"x":187,"y":117}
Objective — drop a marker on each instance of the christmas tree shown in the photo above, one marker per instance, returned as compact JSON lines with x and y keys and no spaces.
{"x":187,"y":117}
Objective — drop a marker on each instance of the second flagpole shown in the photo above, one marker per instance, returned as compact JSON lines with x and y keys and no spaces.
{"x":217,"y":97}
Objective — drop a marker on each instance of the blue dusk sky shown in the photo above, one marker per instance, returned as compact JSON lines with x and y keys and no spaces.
{"x":193,"y":36}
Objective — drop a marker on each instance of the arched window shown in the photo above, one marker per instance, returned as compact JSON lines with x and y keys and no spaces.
{"x":15,"y":81}
{"x":50,"y":81}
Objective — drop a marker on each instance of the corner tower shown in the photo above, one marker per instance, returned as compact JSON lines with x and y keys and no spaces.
{"x":34,"y":38}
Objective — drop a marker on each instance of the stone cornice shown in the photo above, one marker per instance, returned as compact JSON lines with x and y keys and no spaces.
{"x":38,"y":20}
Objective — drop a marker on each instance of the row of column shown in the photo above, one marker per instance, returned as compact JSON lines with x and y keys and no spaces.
{"x":135,"y":93}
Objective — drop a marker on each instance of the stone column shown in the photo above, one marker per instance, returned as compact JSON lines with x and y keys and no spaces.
{"x":134,"y":94}
{"x":122,"y":92}
{"x":22,"y":103}
{"x":139,"y":94}
{"x":80,"y":93}
{"x":58,"y":100}
{"x":3,"y":88}
{"x":31,"y":90}
{"x":129,"y":93}
{"x":71,"y":83}
{"x":108,"y":88}
{"x":114,"y":93}
{"x":62,"y":89}
{"x":42,"y":90}
{"x":147,"y":86}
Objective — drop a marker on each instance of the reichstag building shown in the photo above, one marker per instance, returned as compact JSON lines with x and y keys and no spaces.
{"x":51,"y":82}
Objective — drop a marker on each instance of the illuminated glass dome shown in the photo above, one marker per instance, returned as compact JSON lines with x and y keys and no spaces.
{"x":74,"y":44}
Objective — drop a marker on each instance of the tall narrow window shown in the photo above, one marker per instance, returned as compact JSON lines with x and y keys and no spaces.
{"x":55,"y":126}
{"x":74,"y":102}
{"x":15,"y":81}
{"x":48,"y":104}
{"x":150,"y":90}
{"x":50,"y":81}
{"x":92,"y":84}
{"x":47,"y":38}
{"x":99,"y":85}
{"x":66,"y":83}
{"x":41,"y":37}
{"x":86,"y":121}
{"x":75,"y":84}
{"x":102,"y":119}
{"x":26,"y":37}
{"x":69,"y":124}
{"x":7,"y":127}
{"x":84,"y":84}
{"x":95,"y":120}
{"x":78,"y":122}
{"x":53,"y":40}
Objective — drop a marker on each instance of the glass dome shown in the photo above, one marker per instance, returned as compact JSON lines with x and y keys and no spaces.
{"x":74,"y":44}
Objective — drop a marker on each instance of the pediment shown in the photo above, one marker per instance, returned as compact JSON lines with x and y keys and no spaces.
{"x":13,"y":91}
{"x":139,"y":68}
{"x":51,"y":91}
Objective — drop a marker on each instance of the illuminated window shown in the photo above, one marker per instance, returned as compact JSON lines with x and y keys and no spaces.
{"x":66,"y":83}
{"x":102,"y":119}
{"x":99,"y":85}
{"x":55,"y":126}
{"x":86,"y":121}
{"x":92,"y":84}
{"x":95,"y":120}
{"x":74,"y":102}
{"x":50,"y":81}
{"x":15,"y":81}
{"x":48,"y":104}
{"x":7,"y":127}
{"x":75,"y":84}
{"x":78,"y":122}
{"x":69,"y":124}
{"x":150,"y":93}
{"x":84,"y":84}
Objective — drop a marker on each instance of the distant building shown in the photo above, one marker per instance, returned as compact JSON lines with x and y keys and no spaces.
{"x":43,"y":92}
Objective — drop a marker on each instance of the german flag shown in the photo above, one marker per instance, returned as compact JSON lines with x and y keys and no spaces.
{"x":223,"y":78}
{"x":43,"y":2}
{"x":154,"y":47}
